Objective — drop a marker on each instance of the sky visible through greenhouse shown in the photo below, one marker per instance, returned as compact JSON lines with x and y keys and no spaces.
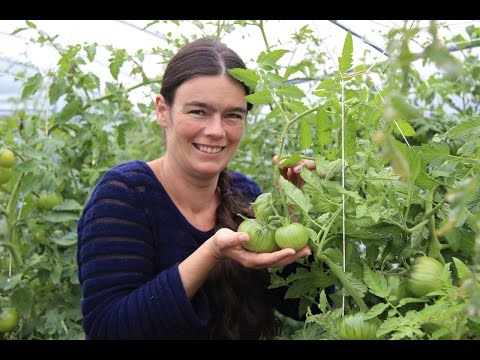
{"x":131,"y":35}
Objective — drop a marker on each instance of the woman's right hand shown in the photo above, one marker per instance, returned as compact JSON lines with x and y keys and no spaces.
{"x":227,"y":243}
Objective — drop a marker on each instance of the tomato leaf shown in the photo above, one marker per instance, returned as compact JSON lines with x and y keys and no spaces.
{"x":247,"y":76}
{"x":295,"y":196}
{"x":305,"y":135}
{"x":260,"y":98}
{"x":376,"y":282}
{"x":345,"y":62}
{"x":32,"y":84}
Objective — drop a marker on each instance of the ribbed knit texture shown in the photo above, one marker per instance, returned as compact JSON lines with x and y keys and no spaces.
{"x":131,"y":238}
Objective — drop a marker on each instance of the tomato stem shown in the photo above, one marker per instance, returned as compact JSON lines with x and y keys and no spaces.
{"x":338,"y":272}
{"x":435,"y":245}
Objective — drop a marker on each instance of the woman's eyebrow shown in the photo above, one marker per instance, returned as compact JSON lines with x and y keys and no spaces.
{"x":201,"y":104}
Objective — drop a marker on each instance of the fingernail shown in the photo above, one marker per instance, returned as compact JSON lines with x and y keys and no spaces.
{"x":297,"y":168}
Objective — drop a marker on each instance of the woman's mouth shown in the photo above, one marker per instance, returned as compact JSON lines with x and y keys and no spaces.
{"x":209,"y":149}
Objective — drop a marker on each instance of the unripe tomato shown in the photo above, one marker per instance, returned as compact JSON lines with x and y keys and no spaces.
{"x":47,"y":201}
{"x":355,"y":327}
{"x":262,"y":238}
{"x":7,"y":158}
{"x":5,"y":175}
{"x":262,"y":207}
{"x":425,"y":276}
{"x":8,"y":319}
{"x":294,"y":235}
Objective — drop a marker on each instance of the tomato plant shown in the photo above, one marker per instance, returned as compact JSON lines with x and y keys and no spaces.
{"x":294,"y":235}
{"x":355,"y":327}
{"x":262,"y":238}
{"x":7,"y":158}
{"x":425,"y":276}
{"x":8,"y":319}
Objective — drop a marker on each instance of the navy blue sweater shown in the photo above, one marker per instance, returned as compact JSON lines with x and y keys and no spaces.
{"x":131,"y":238}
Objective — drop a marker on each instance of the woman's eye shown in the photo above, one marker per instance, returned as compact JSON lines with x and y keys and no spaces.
{"x":197,"y":112}
{"x":234,"y":116}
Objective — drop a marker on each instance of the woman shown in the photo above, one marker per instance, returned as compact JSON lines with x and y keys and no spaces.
{"x":158,"y":254}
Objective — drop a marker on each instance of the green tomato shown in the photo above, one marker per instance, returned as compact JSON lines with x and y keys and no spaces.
{"x":262,"y":207}
{"x":7,"y":158}
{"x":262,"y":238}
{"x":425,"y":276}
{"x":47,"y":201}
{"x":8,"y":319}
{"x":294,"y":235}
{"x":355,"y":327}
{"x":5,"y":175}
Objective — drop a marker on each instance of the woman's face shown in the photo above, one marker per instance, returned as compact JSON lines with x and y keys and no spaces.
{"x":205,"y":123}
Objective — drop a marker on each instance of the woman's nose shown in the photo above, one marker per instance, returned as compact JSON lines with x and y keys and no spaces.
{"x":215,"y":126}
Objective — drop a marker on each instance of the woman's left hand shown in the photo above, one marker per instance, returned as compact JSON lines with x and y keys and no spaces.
{"x":227,"y":243}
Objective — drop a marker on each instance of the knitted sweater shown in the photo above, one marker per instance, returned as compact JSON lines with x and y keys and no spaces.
{"x":131,"y":238}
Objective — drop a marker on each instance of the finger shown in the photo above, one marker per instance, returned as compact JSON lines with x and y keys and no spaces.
{"x":242,"y":238}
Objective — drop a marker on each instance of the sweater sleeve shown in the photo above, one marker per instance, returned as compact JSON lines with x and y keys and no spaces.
{"x":123,"y":295}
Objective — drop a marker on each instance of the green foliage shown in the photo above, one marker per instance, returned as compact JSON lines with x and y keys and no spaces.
{"x":397,"y":174}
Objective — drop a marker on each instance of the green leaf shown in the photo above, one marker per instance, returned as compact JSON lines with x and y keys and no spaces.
{"x":16,"y":31}
{"x":295,"y":196}
{"x":465,"y":129}
{"x":69,"y":205}
{"x":376,"y":282}
{"x":74,"y":107}
{"x":402,"y":107}
{"x":463,"y":272}
{"x":22,"y":299}
{"x":31,"y":86}
{"x":375,"y":310}
{"x":268,"y":61}
{"x":31,"y":24}
{"x":324,"y":305}
{"x":330,"y":169}
{"x":292,"y":159}
{"x":405,"y":128}
{"x":260,"y":98}
{"x":57,"y":89}
{"x":60,"y":216}
{"x":116,"y":62}
{"x":11,"y":282}
{"x":290,"y":91}
{"x":345,"y":62}
{"x":247,"y":76}
{"x":91,"y":50}
{"x":305,"y":135}
{"x":69,"y":239}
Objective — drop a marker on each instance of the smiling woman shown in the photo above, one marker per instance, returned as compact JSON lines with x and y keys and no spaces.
{"x":158,"y":252}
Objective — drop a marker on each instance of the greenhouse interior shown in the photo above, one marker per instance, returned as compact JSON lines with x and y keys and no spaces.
{"x":356,"y":143}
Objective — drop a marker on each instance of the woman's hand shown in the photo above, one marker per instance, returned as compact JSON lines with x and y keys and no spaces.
{"x":227,"y":243}
{"x":292,"y":172}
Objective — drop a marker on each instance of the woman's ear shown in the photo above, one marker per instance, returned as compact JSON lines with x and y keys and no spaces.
{"x":161,"y":111}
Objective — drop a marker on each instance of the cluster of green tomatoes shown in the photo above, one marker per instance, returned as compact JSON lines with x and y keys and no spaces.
{"x":268,"y":233}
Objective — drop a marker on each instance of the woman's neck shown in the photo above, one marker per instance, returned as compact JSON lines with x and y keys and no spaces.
{"x":196,"y":198}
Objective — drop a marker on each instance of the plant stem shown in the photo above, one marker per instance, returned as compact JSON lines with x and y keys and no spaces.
{"x":338,"y":272}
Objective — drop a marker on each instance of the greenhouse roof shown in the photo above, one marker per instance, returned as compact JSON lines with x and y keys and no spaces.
{"x":17,"y":51}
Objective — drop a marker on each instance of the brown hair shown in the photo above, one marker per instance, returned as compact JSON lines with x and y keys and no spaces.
{"x":239,"y":295}
{"x":204,"y":56}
